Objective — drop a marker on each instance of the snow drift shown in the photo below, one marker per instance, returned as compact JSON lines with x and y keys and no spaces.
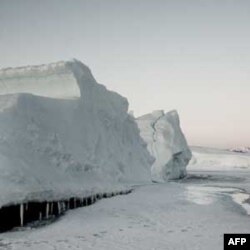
{"x":62,"y":133}
{"x":166,"y":143}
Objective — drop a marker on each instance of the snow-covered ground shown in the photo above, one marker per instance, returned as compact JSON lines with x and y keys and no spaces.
{"x":189,"y":214}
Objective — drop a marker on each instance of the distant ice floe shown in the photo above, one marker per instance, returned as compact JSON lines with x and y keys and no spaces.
{"x":240,"y":150}
{"x":207,"y":159}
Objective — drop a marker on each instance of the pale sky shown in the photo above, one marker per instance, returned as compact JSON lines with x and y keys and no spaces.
{"x":189,"y":55}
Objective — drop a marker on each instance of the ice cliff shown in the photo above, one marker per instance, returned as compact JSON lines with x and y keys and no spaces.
{"x":62,"y":133}
{"x":166,"y":143}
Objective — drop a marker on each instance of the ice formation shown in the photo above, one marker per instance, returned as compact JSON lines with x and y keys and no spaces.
{"x":166,"y":143}
{"x":62,"y":133}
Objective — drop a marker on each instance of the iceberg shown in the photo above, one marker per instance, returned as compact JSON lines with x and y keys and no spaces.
{"x":166,"y":143}
{"x":63,"y":134}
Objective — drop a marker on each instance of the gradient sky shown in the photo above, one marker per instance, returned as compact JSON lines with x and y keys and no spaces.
{"x":189,"y":55}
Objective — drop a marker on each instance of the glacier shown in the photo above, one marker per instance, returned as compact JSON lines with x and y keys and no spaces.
{"x":166,"y":143}
{"x":63,"y":134}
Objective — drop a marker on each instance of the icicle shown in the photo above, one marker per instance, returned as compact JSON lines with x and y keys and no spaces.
{"x":40,"y":216}
{"x":26,"y":206}
{"x":47,"y":210}
{"x":59,"y":207}
{"x":51,"y":209}
{"x":63,"y":206}
{"x":21,"y":215}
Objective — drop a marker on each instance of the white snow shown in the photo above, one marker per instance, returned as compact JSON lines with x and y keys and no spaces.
{"x":54,"y":144}
{"x":166,"y":143}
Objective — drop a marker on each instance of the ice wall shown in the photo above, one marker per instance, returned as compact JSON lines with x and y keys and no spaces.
{"x":166,"y":143}
{"x":62,"y":133}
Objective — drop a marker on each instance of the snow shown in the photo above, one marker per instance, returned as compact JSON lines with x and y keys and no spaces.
{"x":166,"y":143}
{"x":54,"y":144}
{"x":158,"y":216}
{"x":218,"y":160}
